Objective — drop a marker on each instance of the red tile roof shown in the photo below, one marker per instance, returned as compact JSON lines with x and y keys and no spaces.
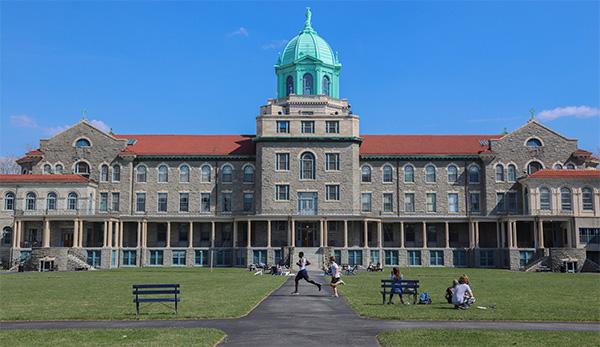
{"x":548,"y":173}
{"x":66,"y":178}
{"x":425,"y":144}
{"x":190,"y":144}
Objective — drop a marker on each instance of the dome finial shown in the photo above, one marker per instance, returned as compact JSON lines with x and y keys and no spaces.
{"x":307,"y":22}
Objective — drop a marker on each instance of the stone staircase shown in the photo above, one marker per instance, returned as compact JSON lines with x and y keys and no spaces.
{"x":536,"y":264}
{"x":313,"y":254}
{"x":76,"y":260}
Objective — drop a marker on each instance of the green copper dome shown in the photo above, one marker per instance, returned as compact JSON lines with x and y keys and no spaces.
{"x":308,"y":65}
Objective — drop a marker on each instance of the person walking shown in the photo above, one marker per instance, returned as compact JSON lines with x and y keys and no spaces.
{"x":303,"y":273}
{"x":336,"y":274}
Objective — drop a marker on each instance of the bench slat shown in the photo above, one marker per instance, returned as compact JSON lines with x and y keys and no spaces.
{"x":156,"y":286}
{"x":147,"y":292}
{"x":157,"y":300}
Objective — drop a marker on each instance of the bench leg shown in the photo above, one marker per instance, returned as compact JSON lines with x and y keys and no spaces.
{"x":137,"y":308}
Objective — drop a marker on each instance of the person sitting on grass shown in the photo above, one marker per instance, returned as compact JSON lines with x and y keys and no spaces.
{"x":463,"y":297}
{"x":396,"y":277}
{"x":450,"y":291}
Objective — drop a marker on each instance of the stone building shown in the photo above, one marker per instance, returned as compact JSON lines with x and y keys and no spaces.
{"x":308,"y":180}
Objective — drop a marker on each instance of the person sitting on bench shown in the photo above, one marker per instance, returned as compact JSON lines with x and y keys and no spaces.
{"x":396,"y":288}
{"x":463,"y":296}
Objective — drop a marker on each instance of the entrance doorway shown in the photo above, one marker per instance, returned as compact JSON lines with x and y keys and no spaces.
{"x":67,"y":237}
{"x":307,"y":234}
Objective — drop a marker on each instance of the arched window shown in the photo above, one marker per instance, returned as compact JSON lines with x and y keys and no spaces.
{"x":499,"y":173}
{"x":82,"y":143}
{"x":565,"y":199}
{"x":104,"y":173}
{"x":307,"y":84}
{"x":452,"y":174}
{"x":116,"y":173}
{"x":512,"y":173}
{"x":205,"y":173}
{"x":545,"y":199}
{"x":289,"y":85}
{"x":534,"y":143}
{"x":51,"y":201}
{"x":430,"y":173}
{"x":163,"y":174}
{"x":557,"y":166}
{"x":570,"y":166}
{"x":325,"y":85}
{"x":30,"y":200}
{"x":227,"y":174}
{"x":587,"y":199}
{"x":82,"y":168}
{"x":365,"y":173}
{"x":47,"y":169}
{"x":409,"y":174}
{"x":473,"y":174}
{"x":184,"y":174}
{"x":58,"y":168}
{"x":248,"y":174}
{"x":9,"y":201}
{"x":140,"y":174}
{"x":534,"y":166}
{"x":7,"y":236}
{"x":388,"y":174}
{"x":72,"y":201}
{"x":307,"y":166}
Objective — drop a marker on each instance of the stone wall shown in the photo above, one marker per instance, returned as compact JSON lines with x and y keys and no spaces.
{"x":558,"y":254}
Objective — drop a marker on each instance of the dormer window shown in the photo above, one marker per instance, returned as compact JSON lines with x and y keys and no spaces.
{"x":534,"y":143}
{"x":82,"y":168}
{"x":283,"y":127}
{"x":83,"y":143}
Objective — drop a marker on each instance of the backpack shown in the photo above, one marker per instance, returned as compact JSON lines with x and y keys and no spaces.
{"x":424,"y":299}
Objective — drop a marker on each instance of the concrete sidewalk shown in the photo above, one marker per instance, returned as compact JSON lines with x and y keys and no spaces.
{"x":311,"y":318}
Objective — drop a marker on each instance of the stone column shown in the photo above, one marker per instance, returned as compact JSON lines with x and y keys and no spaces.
{"x":235,"y":232}
{"x":515,"y":234}
{"x":249,"y":234}
{"x":104,"y":234}
{"x":424,"y":235}
{"x":536,"y":234}
{"x":326,"y":233}
{"x":145,"y":234}
{"x":379,"y":234}
{"x":503,"y":233}
{"x":510,"y":235}
{"x":321,"y":237}
{"x":541,"y":232}
{"x":401,"y":234}
{"x":139,"y":235}
{"x":46,"y":235}
{"x":15,"y":235}
{"x":569,"y":235}
{"x":75,"y":233}
{"x":212,"y":234}
{"x":168,"y":245}
{"x":498,"y":244}
{"x":476,"y":225}
{"x":191,"y":235}
{"x":447,"y":234}
{"x":121,"y":224}
{"x":269,"y":233}
{"x":109,"y":234}
{"x":366,"y":233}
{"x":345,"y":233}
{"x":81,"y":231}
{"x":293,"y":233}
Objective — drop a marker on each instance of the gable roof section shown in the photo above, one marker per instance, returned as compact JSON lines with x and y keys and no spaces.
{"x":66,"y":178}
{"x":189,"y":145}
{"x":550,"y":173}
{"x":436,"y":145}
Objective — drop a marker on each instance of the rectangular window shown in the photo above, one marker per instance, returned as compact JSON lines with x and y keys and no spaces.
{"x":388,"y":202}
{"x":486,"y":258}
{"x":459,"y":258}
{"x":338,"y":256}
{"x":589,"y":235}
{"x":129,"y":258}
{"x":511,"y":201}
{"x":156,"y":257}
{"x":308,"y":127}
{"x":414,"y":258}
{"x":282,"y":192}
{"x":409,"y":202}
{"x":259,"y":257}
{"x":391,"y":257}
{"x":103,"y":201}
{"x":332,"y":161}
{"x":140,"y":202}
{"x":184,"y":202}
{"x":474,"y":203}
{"x":278,"y":256}
{"x":365,"y":202}
{"x":500,"y":203}
{"x":436,"y":258}
{"x":201,"y":258}
{"x":332,"y":127}
{"x":354,"y":257}
{"x":225,"y":202}
{"x":282,"y":162}
{"x":204,"y":202}
{"x":283,"y":127}
{"x":115,"y":200}
{"x":332,"y":192}
{"x":248,"y":202}
{"x":587,"y":198}
{"x":93,"y":258}
{"x":431,"y":202}
{"x":178,"y":258}
{"x":525,"y":257}
{"x":375,"y":257}
{"x":162,"y":201}
{"x":452,"y":202}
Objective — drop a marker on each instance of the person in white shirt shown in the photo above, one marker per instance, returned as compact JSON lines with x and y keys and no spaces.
{"x":303,"y":273}
{"x":463,"y":296}
{"x":336,"y":275}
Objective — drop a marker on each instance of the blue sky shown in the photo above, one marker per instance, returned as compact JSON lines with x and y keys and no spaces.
{"x":205,"y":67}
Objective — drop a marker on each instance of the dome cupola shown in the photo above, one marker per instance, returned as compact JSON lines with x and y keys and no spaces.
{"x":308,"y":65}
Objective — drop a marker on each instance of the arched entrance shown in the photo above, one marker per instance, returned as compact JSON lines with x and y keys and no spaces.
{"x":307,"y":234}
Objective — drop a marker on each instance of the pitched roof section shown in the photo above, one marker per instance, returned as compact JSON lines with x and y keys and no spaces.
{"x":548,"y":173}
{"x":66,"y":178}
{"x":190,"y":145}
{"x":425,"y":144}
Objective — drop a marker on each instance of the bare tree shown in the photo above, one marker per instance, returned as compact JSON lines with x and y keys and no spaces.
{"x":8,"y":165}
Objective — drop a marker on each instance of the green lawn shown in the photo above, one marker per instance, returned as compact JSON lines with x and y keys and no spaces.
{"x":518,"y":295}
{"x":474,"y":337}
{"x":107,"y":294}
{"x":112,"y":337}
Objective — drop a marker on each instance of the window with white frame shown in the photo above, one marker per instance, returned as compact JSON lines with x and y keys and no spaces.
{"x":248,"y":174}
{"x":473,"y":174}
{"x":227,"y":174}
{"x":565,"y":199}
{"x":282,"y":161}
{"x":332,"y":161}
{"x":82,"y":168}
{"x":332,"y":127}
{"x":184,"y":202}
{"x":453,"y":202}
{"x":452,"y":173}
{"x":534,"y":143}
{"x":162,"y":202}
{"x":30,"y":201}
{"x":140,"y":202}
{"x":58,"y":168}
{"x":116,"y":173}
{"x":557,"y":166}
{"x":570,"y":166}
{"x":103,"y":202}
{"x":431,"y":199}
{"x":534,"y":167}
{"x":500,"y":202}
{"x":104,"y":173}
{"x":587,"y":199}
{"x":248,"y":202}
{"x":51,"y":201}
{"x":9,"y":201}
{"x":409,"y":174}
{"x":499,"y":173}
{"x":365,"y":174}
{"x":184,"y":174}
{"x":283,"y":127}
{"x":282,"y":192}
{"x":204,"y":202}
{"x":545,"y":199}
{"x":307,"y":166}
{"x":115,"y":199}
{"x":387,"y":173}
{"x":163,"y":174}
{"x":47,"y":169}
{"x":409,"y":202}
{"x":512,"y":173}
{"x":140,"y":174}
{"x":474,"y":202}
{"x":226,"y":202}
{"x":205,"y":173}
{"x":332,"y":192}
{"x":365,"y":202}
{"x":308,"y":127}
{"x":72,"y":200}
{"x":430,"y":173}
{"x":388,"y":202}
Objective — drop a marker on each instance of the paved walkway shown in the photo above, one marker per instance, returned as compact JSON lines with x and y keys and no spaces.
{"x":311,"y":318}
